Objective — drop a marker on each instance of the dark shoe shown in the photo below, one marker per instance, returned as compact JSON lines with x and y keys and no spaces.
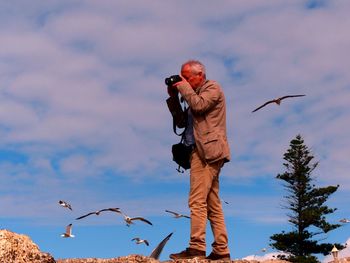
{"x":188,"y":254}
{"x":214,"y":256}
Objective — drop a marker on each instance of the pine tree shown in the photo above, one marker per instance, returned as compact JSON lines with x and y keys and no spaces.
{"x":305,"y":202}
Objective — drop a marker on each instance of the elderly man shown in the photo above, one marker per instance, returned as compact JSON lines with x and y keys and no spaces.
{"x":206,"y":128}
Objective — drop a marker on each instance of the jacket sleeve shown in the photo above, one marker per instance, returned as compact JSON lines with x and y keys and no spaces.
{"x":179,"y":115}
{"x":208,"y":96}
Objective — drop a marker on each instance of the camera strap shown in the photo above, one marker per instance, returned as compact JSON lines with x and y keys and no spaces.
{"x":174,"y":125}
{"x":174,"y":129}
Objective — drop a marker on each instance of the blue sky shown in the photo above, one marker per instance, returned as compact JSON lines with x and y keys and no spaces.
{"x":83,"y":115}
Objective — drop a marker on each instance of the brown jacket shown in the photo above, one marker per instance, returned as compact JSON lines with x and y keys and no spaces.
{"x":208,"y":108}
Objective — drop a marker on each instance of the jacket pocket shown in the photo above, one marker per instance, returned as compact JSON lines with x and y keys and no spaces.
{"x":213,"y":147}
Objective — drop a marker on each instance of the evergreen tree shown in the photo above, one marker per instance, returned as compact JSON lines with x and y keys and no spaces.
{"x":306,"y":205}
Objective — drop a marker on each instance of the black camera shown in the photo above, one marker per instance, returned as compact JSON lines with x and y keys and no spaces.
{"x":172,"y":80}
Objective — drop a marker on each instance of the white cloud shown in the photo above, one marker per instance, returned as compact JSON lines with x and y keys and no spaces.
{"x":90,"y":76}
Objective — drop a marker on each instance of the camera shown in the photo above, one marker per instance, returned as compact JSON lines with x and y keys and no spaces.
{"x":172,"y":80}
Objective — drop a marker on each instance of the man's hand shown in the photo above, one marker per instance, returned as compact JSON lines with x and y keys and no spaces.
{"x":183,"y":82}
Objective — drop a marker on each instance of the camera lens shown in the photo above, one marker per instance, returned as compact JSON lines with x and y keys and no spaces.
{"x":172,"y":80}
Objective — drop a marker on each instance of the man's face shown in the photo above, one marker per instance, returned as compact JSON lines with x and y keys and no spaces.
{"x":195,"y":79}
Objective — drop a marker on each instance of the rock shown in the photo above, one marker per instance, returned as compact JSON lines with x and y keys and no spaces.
{"x":16,"y":248}
{"x":144,"y":259}
{"x":126,"y":259}
{"x":222,"y":261}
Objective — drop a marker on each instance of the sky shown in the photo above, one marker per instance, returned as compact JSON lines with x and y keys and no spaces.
{"x":83,"y":116}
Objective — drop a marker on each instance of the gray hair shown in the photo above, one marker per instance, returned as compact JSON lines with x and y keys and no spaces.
{"x":195,"y":65}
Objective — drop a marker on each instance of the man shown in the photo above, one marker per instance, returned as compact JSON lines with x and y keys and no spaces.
{"x":207,"y":126}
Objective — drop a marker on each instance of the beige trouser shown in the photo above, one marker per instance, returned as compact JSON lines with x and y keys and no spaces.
{"x":204,"y":203}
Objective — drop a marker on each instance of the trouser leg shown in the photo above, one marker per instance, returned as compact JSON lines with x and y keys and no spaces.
{"x":204,"y":203}
{"x":216,"y":217}
{"x":199,"y":189}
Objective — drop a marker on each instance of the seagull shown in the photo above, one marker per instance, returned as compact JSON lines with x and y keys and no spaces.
{"x":117,"y":210}
{"x":344,"y":220}
{"x":129,"y":220}
{"x":176,"y":215}
{"x":65,"y":204}
{"x":224,"y":201}
{"x":139,"y":241}
{"x":277,"y":101}
{"x":158,"y":249}
{"x":68,"y":231}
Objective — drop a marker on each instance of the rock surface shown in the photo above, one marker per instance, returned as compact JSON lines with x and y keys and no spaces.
{"x":143,"y":259}
{"x":15,"y":248}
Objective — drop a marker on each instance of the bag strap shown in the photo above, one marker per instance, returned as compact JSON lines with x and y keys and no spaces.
{"x":174,"y":124}
{"x":174,"y":129}
{"x":179,"y":169}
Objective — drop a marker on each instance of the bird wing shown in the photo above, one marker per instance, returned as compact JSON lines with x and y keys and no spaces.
{"x":142,"y":219}
{"x":81,"y":217}
{"x":117,"y":210}
{"x":146,"y":242}
{"x":258,"y":108}
{"x":135,"y":238}
{"x":177,"y":214}
{"x":291,"y":96}
{"x":174,"y":213}
{"x":158,"y":249}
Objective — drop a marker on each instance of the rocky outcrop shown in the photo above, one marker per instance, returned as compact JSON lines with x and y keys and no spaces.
{"x":127,"y":259}
{"x":233,"y":261}
{"x":15,"y":248}
{"x":143,"y":259}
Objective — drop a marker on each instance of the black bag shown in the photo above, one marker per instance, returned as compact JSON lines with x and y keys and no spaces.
{"x":182,"y":154}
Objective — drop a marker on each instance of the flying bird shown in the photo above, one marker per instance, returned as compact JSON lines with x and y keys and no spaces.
{"x":117,"y":210}
{"x":277,"y":101}
{"x":224,"y":201}
{"x":129,"y":220}
{"x":68,"y":232}
{"x":344,"y":220}
{"x":139,"y":241}
{"x":65,"y":204}
{"x":176,"y":215}
{"x":158,"y":249}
